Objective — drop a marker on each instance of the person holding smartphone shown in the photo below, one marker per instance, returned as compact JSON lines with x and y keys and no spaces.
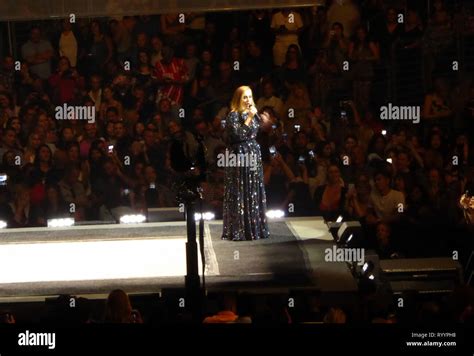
{"x":245,"y":203}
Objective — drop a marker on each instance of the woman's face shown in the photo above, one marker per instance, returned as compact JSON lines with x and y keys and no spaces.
{"x":96,"y":155}
{"x":16,"y":125}
{"x":91,"y":130}
{"x":73,"y":153}
{"x":350,"y":144}
{"x":139,"y":128}
{"x":108,"y":93}
{"x":246,"y":99}
{"x":43,"y":121}
{"x":110,"y":129}
{"x":4,"y":101}
{"x":44,"y":154}
{"x":35,"y":141}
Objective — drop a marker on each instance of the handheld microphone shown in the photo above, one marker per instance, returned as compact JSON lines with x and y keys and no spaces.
{"x":257,"y":116}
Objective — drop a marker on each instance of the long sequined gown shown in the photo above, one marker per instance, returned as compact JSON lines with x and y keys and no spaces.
{"x":245,"y":204}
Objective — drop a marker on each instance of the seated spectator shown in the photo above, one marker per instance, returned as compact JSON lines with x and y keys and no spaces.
{"x":34,"y":141}
{"x":386,"y":204}
{"x":300,"y":105}
{"x":10,"y":143}
{"x":20,"y":207}
{"x":108,"y":102}
{"x":358,"y":198}
{"x":329,"y":199}
{"x":268,"y":99}
{"x":118,"y":309}
{"x":73,"y":192}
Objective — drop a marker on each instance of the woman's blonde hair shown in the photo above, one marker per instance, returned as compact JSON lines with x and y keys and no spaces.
{"x":235,"y":104}
{"x":118,"y":308}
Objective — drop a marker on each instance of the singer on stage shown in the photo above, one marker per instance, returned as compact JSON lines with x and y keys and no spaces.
{"x":244,"y":193}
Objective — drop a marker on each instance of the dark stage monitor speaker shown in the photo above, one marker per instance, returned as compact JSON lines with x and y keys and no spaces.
{"x":165,"y":215}
{"x":424,"y":275}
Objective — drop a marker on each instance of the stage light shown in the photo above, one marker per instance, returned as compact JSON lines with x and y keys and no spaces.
{"x":350,"y":234}
{"x":367,"y":270}
{"x":62,"y":222}
{"x":132,"y":219}
{"x":384,"y":132}
{"x":371,"y":277}
{"x":389,"y":160}
{"x":3,"y":224}
{"x":275,"y":214}
{"x":339,"y":219}
{"x":208,"y":215}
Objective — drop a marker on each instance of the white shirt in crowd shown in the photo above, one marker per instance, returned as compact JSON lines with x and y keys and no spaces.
{"x":387,"y":207}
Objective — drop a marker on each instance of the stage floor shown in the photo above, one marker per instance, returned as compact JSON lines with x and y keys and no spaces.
{"x":146,"y":258}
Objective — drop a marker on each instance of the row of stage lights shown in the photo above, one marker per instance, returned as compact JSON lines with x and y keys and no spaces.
{"x":140,"y":218}
{"x":349,"y":234}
